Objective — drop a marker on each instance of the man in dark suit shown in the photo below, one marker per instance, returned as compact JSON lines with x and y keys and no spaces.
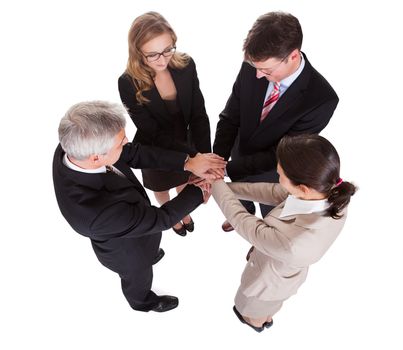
{"x":277,"y":92}
{"x":101,"y":198}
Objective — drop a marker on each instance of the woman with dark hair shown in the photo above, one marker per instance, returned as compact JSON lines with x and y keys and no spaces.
{"x":311,"y":208}
{"x":161,"y":91}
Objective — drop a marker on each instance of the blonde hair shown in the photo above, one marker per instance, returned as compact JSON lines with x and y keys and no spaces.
{"x":145,"y":28}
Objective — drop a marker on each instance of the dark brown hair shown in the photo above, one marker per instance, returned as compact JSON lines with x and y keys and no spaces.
{"x":273,"y":35}
{"x":311,"y":160}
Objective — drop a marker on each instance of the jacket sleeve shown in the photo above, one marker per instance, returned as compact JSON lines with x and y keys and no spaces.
{"x":148,"y":157}
{"x":199,"y":122}
{"x":144,"y":121}
{"x":265,"y":238}
{"x":252,"y":164}
{"x":265,"y":193}
{"x":228,"y":124}
{"x":122,"y":219}
{"x":316,"y":120}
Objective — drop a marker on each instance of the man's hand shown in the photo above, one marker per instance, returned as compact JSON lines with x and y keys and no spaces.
{"x":207,"y":166}
{"x":203,"y":184}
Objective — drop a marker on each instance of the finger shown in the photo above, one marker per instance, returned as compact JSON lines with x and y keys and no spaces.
{"x":206,"y":196}
{"x":213,"y":156}
{"x":218,"y":172}
{"x":195,"y":180}
{"x":200,"y":184}
{"x":208,"y":176}
{"x":216,"y":163}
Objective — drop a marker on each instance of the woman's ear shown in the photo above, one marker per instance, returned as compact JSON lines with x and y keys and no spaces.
{"x":304,"y":189}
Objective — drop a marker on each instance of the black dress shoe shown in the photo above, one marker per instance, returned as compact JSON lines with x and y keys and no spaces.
{"x":189,"y":226}
{"x":165,"y":303}
{"x":159,"y":256}
{"x":181,"y":231}
{"x":257,"y":329}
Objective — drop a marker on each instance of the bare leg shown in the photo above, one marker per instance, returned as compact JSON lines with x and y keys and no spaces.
{"x":187,"y":219}
{"x":162,"y":198}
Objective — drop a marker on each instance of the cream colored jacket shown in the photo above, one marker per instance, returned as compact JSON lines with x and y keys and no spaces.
{"x":284,"y":247}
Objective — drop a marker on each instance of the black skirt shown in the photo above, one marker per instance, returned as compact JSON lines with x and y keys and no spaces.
{"x":163,"y":180}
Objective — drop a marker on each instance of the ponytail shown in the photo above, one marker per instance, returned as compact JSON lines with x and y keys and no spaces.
{"x":311,"y":160}
{"x":339,"y":198}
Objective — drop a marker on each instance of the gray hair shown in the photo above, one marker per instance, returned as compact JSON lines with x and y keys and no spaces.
{"x":90,"y":128}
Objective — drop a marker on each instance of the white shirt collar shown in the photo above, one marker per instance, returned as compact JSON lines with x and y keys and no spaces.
{"x":286,"y":83}
{"x":69,"y":164}
{"x":295,"y":206}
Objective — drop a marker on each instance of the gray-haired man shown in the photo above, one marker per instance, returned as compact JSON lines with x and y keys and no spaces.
{"x":101,"y":198}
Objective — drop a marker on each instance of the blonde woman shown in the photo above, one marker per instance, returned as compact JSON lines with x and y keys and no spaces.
{"x":161,"y":91}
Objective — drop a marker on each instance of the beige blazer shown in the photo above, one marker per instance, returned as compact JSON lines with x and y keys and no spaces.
{"x":284,"y":247}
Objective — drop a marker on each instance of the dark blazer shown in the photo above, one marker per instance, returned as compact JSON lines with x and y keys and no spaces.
{"x":153,"y":122}
{"x":305,"y":107}
{"x":115,"y":212}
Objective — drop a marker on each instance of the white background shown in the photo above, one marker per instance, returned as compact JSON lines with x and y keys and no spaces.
{"x":56,"y":295}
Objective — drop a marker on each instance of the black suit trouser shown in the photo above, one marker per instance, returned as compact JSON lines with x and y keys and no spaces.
{"x":132,"y":259}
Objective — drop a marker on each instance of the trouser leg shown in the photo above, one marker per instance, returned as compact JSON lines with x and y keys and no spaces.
{"x":136,"y":287}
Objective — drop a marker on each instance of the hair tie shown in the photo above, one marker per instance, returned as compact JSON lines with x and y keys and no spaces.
{"x":339,"y":182}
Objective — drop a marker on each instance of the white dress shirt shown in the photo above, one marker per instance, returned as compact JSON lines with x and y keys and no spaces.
{"x":286,"y":83}
{"x":102,"y":169}
{"x":295,"y":206}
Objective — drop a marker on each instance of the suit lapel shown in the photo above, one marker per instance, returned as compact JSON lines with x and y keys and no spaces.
{"x":184,"y":97}
{"x":117,"y":182}
{"x":98,"y":181}
{"x":183,"y":94}
{"x":287,"y":100}
{"x":157,"y":105}
{"x":255,"y":105}
{"x":290,"y":98}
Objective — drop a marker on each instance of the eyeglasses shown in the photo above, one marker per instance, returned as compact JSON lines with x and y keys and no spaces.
{"x":265,"y":70}
{"x":168,"y":52}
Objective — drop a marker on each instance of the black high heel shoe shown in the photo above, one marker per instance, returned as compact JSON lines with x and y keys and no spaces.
{"x":180,"y":231}
{"x":189,"y":226}
{"x":268,"y":324}
{"x":257,"y":329}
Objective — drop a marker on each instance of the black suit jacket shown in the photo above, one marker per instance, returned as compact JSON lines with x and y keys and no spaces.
{"x":115,"y":212}
{"x":305,"y":107}
{"x":155,"y":125}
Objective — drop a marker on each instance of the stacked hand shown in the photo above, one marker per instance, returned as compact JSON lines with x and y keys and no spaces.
{"x":206,"y":169}
{"x":207,"y":166}
{"x":203,"y":184}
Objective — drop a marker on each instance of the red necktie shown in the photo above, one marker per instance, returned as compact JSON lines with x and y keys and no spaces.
{"x":271,"y":101}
